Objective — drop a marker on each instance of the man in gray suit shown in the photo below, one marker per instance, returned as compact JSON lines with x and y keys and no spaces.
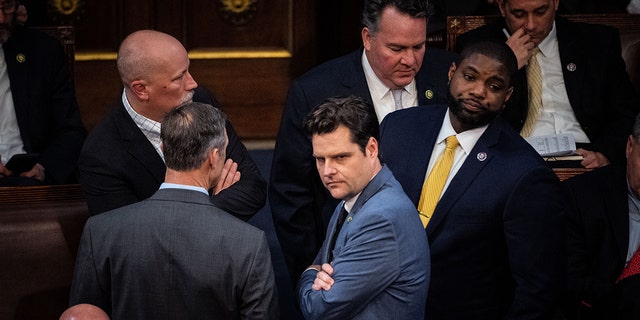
{"x":175,"y":255}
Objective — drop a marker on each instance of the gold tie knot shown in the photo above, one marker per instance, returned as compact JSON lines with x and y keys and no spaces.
{"x":452,"y":142}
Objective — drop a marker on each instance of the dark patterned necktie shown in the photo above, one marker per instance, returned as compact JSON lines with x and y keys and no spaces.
{"x":632,"y":267}
{"x":341,"y":217}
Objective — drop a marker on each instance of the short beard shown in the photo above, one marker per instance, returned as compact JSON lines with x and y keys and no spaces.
{"x":470,"y":120}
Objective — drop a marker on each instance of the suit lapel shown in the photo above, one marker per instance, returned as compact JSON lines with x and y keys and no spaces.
{"x":617,"y":211}
{"x":138,"y":146}
{"x":467,"y":174}
{"x":354,"y":80}
{"x":19,"y":73}
{"x":572,"y":62}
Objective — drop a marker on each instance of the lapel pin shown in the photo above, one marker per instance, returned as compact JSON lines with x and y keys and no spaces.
{"x":21,"y":58}
{"x":349,"y":218}
{"x":571,"y":67}
{"x":428,"y":94}
{"x":481,"y":156}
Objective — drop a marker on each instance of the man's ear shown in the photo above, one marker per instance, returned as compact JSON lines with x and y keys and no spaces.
{"x":509,"y":93}
{"x":372,"y":147}
{"x":501,"y":7}
{"x":452,"y":70}
{"x":366,"y":38}
{"x":139,"y":88}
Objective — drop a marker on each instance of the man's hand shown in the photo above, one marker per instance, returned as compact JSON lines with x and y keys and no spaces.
{"x":21,"y":15}
{"x":4,"y":172}
{"x":592,"y":159}
{"x":522,"y":46}
{"x":37,"y":172}
{"x":323,"y":278}
{"x":228,"y":177}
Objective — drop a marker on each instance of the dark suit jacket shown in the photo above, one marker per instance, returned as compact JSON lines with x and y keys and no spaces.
{"x":600,"y":92}
{"x":45,"y":102}
{"x":174,"y":256}
{"x":381,"y":264}
{"x":598,"y":224}
{"x":300,"y":205}
{"x":497,"y":234}
{"x":119,"y":166}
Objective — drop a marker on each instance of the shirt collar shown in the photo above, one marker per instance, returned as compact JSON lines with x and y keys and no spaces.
{"x":378,"y":88}
{"x":467,"y":139}
{"x":549,"y":43}
{"x":167,"y":185}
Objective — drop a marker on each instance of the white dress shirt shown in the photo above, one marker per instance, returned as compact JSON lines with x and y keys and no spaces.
{"x":10,"y":139}
{"x":556,"y":116}
{"x":381,"y":95}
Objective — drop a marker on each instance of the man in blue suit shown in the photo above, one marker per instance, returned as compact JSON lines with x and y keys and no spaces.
{"x":394,"y":56}
{"x":374,"y":262}
{"x":496,"y":234}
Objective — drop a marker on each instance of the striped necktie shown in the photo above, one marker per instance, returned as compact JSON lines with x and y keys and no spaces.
{"x":534,"y":83}
{"x":433,"y":186}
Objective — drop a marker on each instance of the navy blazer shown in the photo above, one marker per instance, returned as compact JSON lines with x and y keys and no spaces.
{"x":601,"y":95}
{"x":119,"y":166}
{"x":174,"y":256}
{"x":497,"y":234}
{"x":45,"y":102}
{"x":598,"y":224}
{"x":381,"y":259}
{"x":300,"y":204}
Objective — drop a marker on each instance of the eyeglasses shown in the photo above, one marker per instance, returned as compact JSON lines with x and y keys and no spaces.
{"x":8,"y":7}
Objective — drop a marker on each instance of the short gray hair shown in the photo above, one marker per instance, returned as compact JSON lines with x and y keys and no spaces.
{"x":189,"y":132}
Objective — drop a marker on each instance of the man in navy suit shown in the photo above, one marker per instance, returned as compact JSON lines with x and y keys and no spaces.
{"x":38,"y":108}
{"x":496,"y":234}
{"x":121,"y":162}
{"x":176,"y":255}
{"x":393,"y":57}
{"x":604,"y":234}
{"x":586,"y":90}
{"x":374,"y":262}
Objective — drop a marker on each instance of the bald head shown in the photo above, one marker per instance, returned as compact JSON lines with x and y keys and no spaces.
{"x":84,"y":312}
{"x":144,"y":52}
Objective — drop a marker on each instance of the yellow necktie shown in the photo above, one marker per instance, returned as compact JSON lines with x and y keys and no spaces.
{"x":432,"y":187}
{"x":534,"y":82}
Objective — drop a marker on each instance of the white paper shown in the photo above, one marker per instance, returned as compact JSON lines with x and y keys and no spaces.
{"x":554,"y":145}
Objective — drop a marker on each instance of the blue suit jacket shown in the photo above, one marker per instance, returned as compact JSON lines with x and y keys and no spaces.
{"x":381,"y":264}
{"x":300,"y":204}
{"x":174,"y":256}
{"x":497,"y":236}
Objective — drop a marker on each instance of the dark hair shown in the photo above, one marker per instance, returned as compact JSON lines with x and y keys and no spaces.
{"x":497,"y":50}
{"x":353,"y":112}
{"x":189,"y":132}
{"x":372,"y":10}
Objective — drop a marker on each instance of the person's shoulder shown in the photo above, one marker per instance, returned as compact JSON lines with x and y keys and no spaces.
{"x":332,"y":68}
{"x":414,"y":113}
{"x":33,"y":37}
{"x":595,"y":178}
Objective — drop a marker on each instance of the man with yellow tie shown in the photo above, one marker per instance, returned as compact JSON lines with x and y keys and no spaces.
{"x":491,"y":207}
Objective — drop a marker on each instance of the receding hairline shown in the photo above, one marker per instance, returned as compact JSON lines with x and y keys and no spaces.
{"x":138,"y":50}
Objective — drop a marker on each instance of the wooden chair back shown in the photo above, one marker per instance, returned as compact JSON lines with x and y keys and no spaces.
{"x":66,"y":36}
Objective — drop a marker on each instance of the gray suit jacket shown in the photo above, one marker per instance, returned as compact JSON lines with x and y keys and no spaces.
{"x":174,"y":256}
{"x":381,"y":264}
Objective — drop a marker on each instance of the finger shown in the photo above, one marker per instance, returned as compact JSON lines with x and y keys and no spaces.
{"x":327,"y":268}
